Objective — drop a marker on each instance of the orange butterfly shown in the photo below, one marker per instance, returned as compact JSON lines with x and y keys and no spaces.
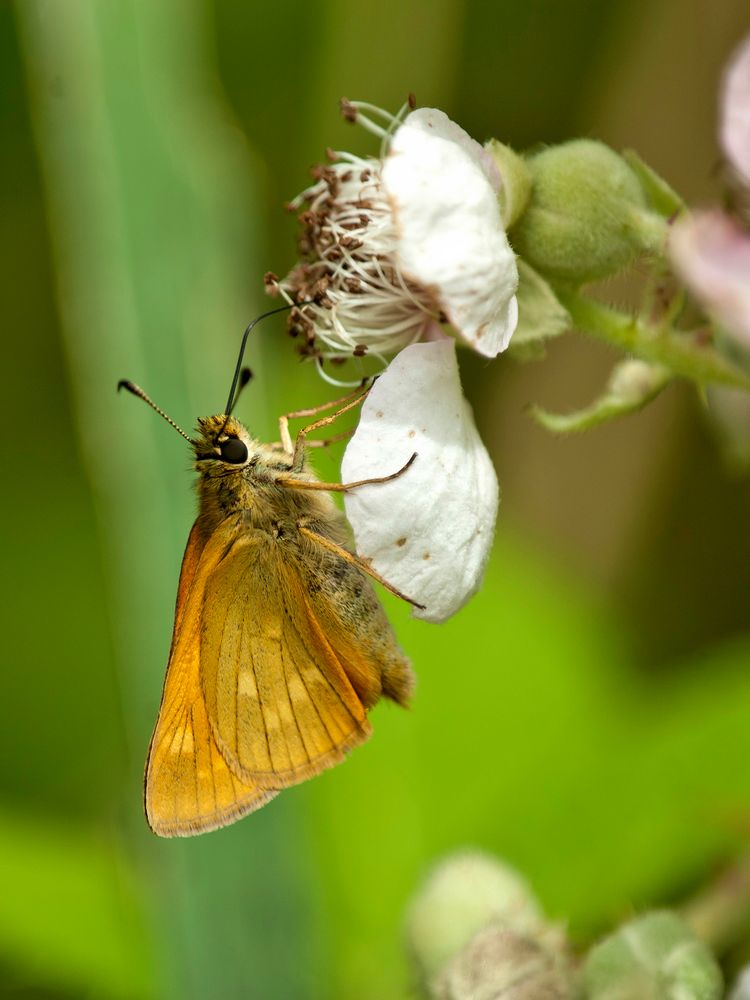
{"x":280,"y":645}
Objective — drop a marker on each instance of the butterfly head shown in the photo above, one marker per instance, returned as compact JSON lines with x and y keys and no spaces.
{"x":223,"y":440}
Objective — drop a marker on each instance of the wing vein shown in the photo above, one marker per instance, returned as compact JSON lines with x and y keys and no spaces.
{"x":291,"y":703}
{"x":177,"y":784}
{"x":313,"y":702}
{"x":217,"y":677}
{"x":263,"y":716}
{"x":282,"y":727}
{"x":322,"y":674}
{"x":195,"y":758}
{"x":237,"y":704}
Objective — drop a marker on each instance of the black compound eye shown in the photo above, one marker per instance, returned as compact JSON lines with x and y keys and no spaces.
{"x":233,"y":450}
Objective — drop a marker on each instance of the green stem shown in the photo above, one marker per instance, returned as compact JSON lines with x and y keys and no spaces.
{"x":684,"y":353}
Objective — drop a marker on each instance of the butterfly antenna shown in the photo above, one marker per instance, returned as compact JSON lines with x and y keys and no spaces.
{"x":137,"y":391}
{"x":238,"y":367}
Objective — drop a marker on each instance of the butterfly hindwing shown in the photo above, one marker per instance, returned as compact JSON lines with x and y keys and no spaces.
{"x":279,"y":702}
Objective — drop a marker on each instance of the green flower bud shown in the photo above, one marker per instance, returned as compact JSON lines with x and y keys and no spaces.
{"x":587,"y":217}
{"x":633,"y":382}
{"x":656,"y":957}
{"x":516,"y":190}
{"x":498,"y":962}
{"x":461,"y":896}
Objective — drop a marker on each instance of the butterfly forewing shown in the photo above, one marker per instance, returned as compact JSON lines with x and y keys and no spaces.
{"x":279,"y":702}
{"x":189,"y":787}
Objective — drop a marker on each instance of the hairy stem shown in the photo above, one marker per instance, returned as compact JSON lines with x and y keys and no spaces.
{"x":684,"y":353}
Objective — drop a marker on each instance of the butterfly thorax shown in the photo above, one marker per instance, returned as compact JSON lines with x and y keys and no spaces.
{"x":254,"y":485}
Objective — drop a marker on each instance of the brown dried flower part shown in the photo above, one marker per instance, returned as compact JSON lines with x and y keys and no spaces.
{"x":357,"y":300}
{"x":271,"y":282}
{"x":499,"y":962}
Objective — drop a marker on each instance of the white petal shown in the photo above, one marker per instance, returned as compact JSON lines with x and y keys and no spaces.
{"x":711,"y":253}
{"x":434,"y":123}
{"x":428,"y":532}
{"x":451,"y":236}
{"x":735,"y":111}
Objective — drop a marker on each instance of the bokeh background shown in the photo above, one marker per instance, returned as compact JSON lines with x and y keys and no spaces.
{"x":587,"y":717}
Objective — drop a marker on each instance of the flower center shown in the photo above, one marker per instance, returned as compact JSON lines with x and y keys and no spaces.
{"x":353,"y":298}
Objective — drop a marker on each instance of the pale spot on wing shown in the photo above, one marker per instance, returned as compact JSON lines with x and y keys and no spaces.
{"x":187,"y":743}
{"x":246,"y":684}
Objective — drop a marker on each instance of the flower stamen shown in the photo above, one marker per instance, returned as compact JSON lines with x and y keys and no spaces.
{"x":390,"y":248}
{"x":358,"y":301}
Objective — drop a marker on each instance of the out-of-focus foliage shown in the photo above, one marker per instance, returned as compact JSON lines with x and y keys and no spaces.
{"x":70,"y":911}
{"x":148,"y":147}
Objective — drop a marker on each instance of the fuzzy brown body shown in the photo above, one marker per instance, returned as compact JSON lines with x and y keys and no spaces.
{"x":280,"y":644}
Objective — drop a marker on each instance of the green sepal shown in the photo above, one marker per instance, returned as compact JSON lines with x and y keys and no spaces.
{"x":661,"y":196}
{"x":631,"y":386}
{"x":540,"y":314}
{"x":516,"y":190}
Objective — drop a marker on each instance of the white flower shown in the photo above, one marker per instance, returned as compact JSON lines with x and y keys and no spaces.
{"x":711,"y":249}
{"x":396,"y":244}
{"x":394,"y":248}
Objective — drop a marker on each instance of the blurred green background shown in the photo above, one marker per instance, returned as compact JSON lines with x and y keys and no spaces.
{"x":587,"y":716}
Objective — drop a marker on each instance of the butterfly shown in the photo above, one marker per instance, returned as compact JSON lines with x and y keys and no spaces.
{"x":280,"y":645}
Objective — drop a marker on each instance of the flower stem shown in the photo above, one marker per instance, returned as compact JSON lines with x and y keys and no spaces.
{"x":683,"y":352}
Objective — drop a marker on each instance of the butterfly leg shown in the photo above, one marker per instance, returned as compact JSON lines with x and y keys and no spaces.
{"x":349,"y":557}
{"x":299,"y":444}
{"x":311,"y":411}
{"x":325,"y":442}
{"x":305,"y":484}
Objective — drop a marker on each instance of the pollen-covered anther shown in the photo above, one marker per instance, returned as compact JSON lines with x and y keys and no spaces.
{"x":359,"y":298}
{"x":271,"y":282}
{"x":405,"y":242}
{"x":348,"y":110}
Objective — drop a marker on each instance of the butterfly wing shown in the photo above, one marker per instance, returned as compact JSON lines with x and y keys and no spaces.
{"x":189,"y":787}
{"x":348,"y":611}
{"x":280,"y":704}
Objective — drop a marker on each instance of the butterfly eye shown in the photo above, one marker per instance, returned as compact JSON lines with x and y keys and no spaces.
{"x":233,"y":450}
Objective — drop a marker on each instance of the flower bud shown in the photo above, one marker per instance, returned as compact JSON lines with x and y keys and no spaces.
{"x":655,"y":957}
{"x":460,"y":896}
{"x":587,"y":217}
{"x":634,"y":382}
{"x":499,"y":962}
